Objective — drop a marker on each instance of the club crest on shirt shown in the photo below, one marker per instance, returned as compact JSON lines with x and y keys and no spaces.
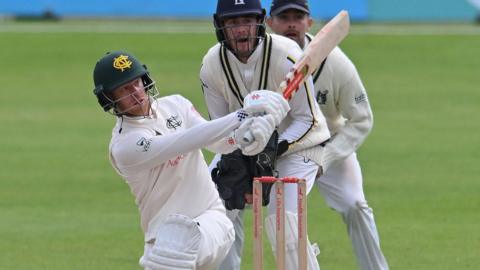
{"x":173,"y":122}
{"x":144,"y":144}
{"x":204,"y":85}
{"x":322,"y":97}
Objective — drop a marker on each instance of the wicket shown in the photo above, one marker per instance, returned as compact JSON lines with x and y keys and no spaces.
{"x":280,"y":221}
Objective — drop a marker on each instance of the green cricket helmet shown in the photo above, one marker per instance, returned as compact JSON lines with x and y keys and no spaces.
{"x":115,"y":69}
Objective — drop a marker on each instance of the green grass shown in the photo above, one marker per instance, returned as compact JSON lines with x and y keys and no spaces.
{"x":63,"y":207}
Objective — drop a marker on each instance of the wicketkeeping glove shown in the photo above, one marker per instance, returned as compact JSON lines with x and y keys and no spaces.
{"x":234,"y":174}
{"x":233,"y":179}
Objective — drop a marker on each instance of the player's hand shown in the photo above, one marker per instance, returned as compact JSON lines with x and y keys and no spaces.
{"x":248,"y":198}
{"x":262,"y":102}
{"x":261,"y":128}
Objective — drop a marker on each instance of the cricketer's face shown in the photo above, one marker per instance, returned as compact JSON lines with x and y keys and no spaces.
{"x":131,"y":99}
{"x":241,"y":34}
{"x":291,"y":23}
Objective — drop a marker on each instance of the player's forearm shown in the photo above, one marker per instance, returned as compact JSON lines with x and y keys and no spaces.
{"x":348,"y":139}
{"x":165,"y":147}
{"x":199,"y":136}
{"x":223,"y":146}
{"x":355,"y":108}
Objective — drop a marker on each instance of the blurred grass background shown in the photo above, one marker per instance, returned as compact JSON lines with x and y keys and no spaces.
{"x":63,"y":207}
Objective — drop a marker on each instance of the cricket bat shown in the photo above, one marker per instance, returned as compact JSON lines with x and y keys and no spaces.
{"x":321,"y":45}
{"x":317,"y":50}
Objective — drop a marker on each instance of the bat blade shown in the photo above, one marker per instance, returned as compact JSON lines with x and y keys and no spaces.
{"x":329,"y":36}
{"x":317,"y":50}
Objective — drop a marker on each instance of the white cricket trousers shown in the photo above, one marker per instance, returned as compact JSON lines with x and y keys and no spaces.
{"x":217,"y":236}
{"x":342,"y":188}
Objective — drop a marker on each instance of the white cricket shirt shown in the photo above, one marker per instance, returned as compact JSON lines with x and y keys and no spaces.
{"x":160,"y":159}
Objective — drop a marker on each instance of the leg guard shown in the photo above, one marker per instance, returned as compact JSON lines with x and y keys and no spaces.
{"x":291,"y":242}
{"x":176,"y":245}
{"x":364,"y":236}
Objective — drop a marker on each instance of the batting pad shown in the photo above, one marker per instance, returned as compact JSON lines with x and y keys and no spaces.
{"x":176,"y":245}
{"x":291,"y":241}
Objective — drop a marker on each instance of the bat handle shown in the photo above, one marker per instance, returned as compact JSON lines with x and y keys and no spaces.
{"x":248,"y":137}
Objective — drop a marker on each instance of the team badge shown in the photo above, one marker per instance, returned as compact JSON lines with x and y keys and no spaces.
{"x":144,"y":144}
{"x":122,"y":62}
{"x":239,"y":2}
{"x":173,"y":122}
{"x":204,"y":85}
{"x":322,"y":97}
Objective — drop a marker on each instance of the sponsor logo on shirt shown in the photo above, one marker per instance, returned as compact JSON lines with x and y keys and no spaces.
{"x":362,"y":97}
{"x":256,"y":96}
{"x":174,"y":162}
{"x":173,"y":122}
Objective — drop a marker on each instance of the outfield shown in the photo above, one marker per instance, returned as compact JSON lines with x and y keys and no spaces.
{"x":63,"y":207}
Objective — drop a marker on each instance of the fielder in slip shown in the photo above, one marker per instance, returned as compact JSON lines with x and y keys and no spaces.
{"x":247,"y":58}
{"x":343,"y":101}
{"x":155,"y":147}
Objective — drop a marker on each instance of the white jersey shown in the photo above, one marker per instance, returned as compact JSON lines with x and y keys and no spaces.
{"x":226,"y":81}
{"x":160,"y":158}
{"x":344,"y":103}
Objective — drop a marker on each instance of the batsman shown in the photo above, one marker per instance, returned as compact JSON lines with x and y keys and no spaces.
{"x":244,"y":59}
{"x":155,"y":148}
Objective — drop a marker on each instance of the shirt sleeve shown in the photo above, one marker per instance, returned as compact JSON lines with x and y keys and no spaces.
{"x":140,"y":150}
{"x":222,"y":146}
{"x":216,"y":103}
{"x":355,"y":108}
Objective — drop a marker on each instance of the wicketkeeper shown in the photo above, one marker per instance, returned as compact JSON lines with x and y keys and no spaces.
{"x":244,"y":59}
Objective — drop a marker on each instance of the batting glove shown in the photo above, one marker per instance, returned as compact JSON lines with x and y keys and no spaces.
{"x":262,"y":102}
{"x":261,"y":128}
